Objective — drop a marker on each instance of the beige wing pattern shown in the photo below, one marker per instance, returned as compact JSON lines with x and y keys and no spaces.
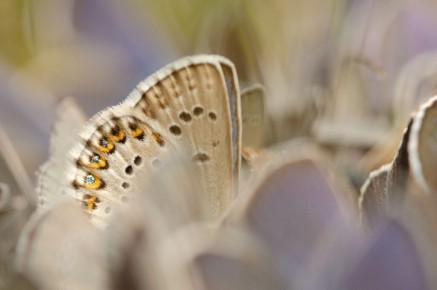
{"x":115,"y":149}
{"x":191,"y":105}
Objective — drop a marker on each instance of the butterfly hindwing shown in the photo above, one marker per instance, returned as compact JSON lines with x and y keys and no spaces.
{"x":115,"y":146}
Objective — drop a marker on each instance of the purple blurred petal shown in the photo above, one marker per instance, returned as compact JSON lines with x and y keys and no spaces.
{"x":392,"y":262}
{"x":123,"y":27}
{"x":120,"y":24}
{"x":292,"y":208}
{"x":97,"y":52}
{"x":419,"y":25}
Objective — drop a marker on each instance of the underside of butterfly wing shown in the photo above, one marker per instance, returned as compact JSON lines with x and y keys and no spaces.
{"x":191,"y":105}
{"x":116,"y":148}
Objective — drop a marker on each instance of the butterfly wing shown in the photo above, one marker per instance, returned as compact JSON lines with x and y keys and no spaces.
{"x":192,"y":105}
{"x":69,"y":121}
{"x":252,"y":114}
{"x":197,"y":99}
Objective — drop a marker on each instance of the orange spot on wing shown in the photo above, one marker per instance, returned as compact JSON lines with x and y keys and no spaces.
{"x":92,"y":181}
{"x":137,"y":133}
{"x":118,"y":135}
{"x":90,"y":201}
{"x":109,"y":147}
{"x":101,"y":163}
{"x":158,"y":138}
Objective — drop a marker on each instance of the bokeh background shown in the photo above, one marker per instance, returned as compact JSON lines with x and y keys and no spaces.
{"x":343,"y":73}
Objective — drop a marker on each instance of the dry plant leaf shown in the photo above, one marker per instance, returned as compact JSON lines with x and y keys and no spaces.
{"x":422,"y":148}
{"x":385,"y":190}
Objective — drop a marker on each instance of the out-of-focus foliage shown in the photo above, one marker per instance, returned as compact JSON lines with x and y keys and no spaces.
{"x":323,"y":64}
{"x":13,"y":41}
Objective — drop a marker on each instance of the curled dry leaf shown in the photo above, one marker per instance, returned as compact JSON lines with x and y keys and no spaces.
{"x":422,"y":148}
{"x":384,"y":191}
{"x":373,"y":201}
{"x":414,"y":84}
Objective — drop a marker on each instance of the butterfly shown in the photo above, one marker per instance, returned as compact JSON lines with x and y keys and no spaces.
{"x":191,"y":105}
